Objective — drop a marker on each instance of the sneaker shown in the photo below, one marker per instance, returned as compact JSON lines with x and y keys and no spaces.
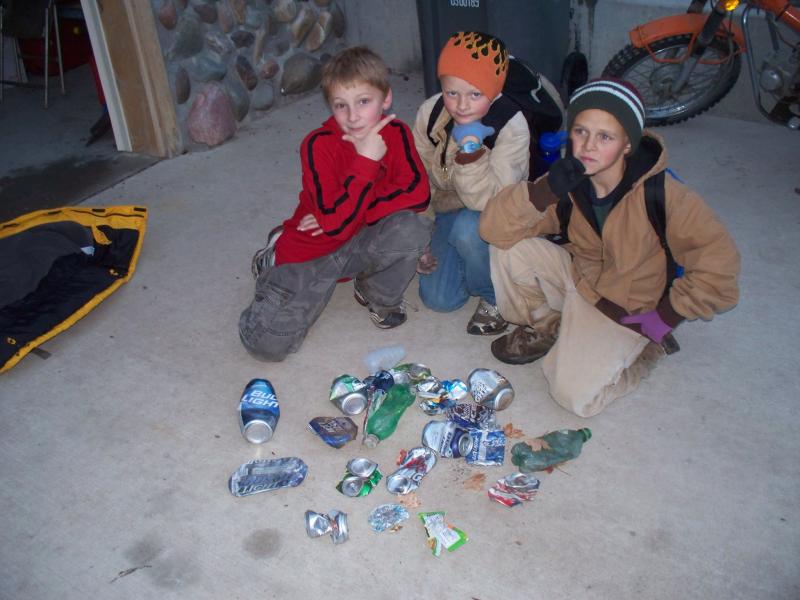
{"x":393,"y":318}
{"x":521,"y":346}
{"x":266,"y":256}
{"x":486,"y":320}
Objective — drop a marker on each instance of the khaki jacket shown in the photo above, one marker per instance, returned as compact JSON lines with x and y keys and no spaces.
{"x":455,"y":186}
{"x":626,"y":267}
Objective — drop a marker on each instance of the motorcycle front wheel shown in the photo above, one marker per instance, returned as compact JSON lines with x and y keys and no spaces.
{"x":706,"y":86}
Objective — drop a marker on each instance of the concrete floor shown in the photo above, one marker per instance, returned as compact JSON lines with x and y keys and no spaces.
{"x":117,"y":449}
{"x":44,"y":159}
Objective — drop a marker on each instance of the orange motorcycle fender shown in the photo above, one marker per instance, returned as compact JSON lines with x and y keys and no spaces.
{"x":653,"y":31}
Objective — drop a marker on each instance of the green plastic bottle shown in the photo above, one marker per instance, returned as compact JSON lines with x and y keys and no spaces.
{"x":382,"y":423}
{"x":564,"y":445}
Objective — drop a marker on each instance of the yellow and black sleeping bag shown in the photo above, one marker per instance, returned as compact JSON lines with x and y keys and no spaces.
{"x":57,"y":265}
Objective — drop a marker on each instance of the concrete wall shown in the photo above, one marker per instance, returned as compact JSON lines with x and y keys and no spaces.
{"x":390,"y":27}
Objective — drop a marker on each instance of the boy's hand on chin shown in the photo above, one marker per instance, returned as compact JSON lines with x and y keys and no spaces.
{"x":371,"y":145}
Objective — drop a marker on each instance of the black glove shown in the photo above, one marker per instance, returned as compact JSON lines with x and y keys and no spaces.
{"x":565,"y":175}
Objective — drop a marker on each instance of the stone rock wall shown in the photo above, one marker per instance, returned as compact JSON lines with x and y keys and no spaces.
{"x":230,"y":60}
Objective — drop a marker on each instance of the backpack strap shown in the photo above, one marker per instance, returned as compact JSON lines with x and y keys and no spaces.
{"x":438,"y":107}
{"x":500,"y":113}
{"x":655,"y":202}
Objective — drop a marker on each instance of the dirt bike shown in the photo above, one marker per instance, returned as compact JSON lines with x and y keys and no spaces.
{"x":684,"y":64}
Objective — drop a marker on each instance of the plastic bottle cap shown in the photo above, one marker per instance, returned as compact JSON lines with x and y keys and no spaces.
{"x":586,"y":433}
{"x":552,"y":141}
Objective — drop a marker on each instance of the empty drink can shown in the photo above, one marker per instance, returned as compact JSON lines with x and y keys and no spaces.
{"x":258,"y":411}
{"x":349,"y":394}
{"x":490,"y":389}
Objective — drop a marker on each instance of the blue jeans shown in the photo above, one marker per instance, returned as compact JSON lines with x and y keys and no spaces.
{"x":463,"y":268}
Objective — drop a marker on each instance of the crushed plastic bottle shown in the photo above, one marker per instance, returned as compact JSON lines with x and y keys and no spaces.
{"x":382,"y":421}
{"x":383,"y":359}
{"x":554,"y":448}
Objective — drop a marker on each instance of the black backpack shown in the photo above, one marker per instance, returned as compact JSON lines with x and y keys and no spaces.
{"x":655,"y":203}
{"x":524,"y":91}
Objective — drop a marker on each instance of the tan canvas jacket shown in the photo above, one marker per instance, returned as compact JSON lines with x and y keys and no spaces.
{"x":455,"y":186}
{"x":626,"y":268}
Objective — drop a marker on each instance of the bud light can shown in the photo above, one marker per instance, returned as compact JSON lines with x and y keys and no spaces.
{"x":258,"y":411}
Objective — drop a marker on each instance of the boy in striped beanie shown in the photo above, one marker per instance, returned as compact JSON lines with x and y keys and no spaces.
{"x":597,"y":305}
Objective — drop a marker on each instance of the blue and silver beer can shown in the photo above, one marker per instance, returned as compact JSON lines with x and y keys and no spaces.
{"x":258,"y":411}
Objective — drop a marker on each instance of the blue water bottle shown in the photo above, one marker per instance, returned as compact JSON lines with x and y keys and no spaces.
{"x":550,"y":144}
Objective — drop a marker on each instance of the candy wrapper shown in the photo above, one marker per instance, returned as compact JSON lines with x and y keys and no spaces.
{"x":441,"y":535}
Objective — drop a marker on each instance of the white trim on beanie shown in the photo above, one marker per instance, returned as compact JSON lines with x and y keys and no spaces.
{"x":617,"y":90}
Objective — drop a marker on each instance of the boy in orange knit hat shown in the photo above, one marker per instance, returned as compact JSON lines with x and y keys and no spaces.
{"x":467,"y":162}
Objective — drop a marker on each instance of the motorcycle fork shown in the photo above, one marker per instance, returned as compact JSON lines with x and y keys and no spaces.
{"x":710,"y":28}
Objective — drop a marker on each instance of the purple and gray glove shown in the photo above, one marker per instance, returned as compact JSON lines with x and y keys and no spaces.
{"x":650,"y":323}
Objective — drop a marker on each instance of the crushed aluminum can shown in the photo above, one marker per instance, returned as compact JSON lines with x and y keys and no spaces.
{"x":433,"y":395}
{"x":488,"y":447}
{"x":349,"y":394}
{"x":410,"y":373}
{"x":361,"y":476}
{"x":363,"y":467}
{"x":317,"y":524}
{"x":514,"y":489}
{"x":382,"y":380}
{"x":334,"y":431}
{"x":446,"y":438}
{"x":340,"y":533}
{"x":418,"y":463}
{"x":387,"y":516}
{"x":334,"y":523}
{"x":472,"y":416}
{"x":491,"y":389}
{"x":267,"y":474}
{"x":259,"y":411}
{"x":456,"y":389}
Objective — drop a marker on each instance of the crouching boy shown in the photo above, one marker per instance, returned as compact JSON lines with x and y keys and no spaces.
{"x":599,"y":307}
{"x":364,"y":188}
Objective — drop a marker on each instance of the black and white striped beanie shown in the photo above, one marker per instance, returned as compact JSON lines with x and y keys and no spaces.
{"x":615,"y":96}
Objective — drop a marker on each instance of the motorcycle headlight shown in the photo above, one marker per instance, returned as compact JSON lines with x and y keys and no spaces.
{"x":729,"y":5}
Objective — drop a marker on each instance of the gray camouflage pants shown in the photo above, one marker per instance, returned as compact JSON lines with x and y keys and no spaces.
{"x":289,"y":298}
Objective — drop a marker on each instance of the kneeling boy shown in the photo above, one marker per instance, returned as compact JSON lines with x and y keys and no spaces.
{"x":364,"y":188}
{"x":598,"y":307}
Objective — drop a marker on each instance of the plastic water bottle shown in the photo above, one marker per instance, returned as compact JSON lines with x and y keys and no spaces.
{"x":382,"y":423}
{"x":384,"y":358}
{"x":550,"y":144}
{"x":564,"y":445}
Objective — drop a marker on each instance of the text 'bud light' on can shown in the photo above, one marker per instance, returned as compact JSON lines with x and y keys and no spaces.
{"x":258,"y":411}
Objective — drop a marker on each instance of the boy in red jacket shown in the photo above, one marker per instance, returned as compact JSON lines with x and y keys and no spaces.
{"x":364,"y":188}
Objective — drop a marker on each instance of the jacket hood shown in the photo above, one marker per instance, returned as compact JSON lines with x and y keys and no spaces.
{"x":650,"y":157}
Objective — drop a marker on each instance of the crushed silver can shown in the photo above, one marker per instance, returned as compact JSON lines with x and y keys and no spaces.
{"x":317,"y":524}
{"x":447,"y":438}
{"x":349,"y":394}
{"x":258,"y":411}
{"x":418,"y":463}
{"x":334,"y":523}
{"x":263,"y":475}
{"x":491,"y":389}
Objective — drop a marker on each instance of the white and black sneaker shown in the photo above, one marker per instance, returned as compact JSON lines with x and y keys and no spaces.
{"x":266,"y":256}
{"x":393,"y":318}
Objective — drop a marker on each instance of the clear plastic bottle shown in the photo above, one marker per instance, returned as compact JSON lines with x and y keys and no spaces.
{"x":382,"y":423}
{"x":383,"y":358}
{"x":557,"y":447}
